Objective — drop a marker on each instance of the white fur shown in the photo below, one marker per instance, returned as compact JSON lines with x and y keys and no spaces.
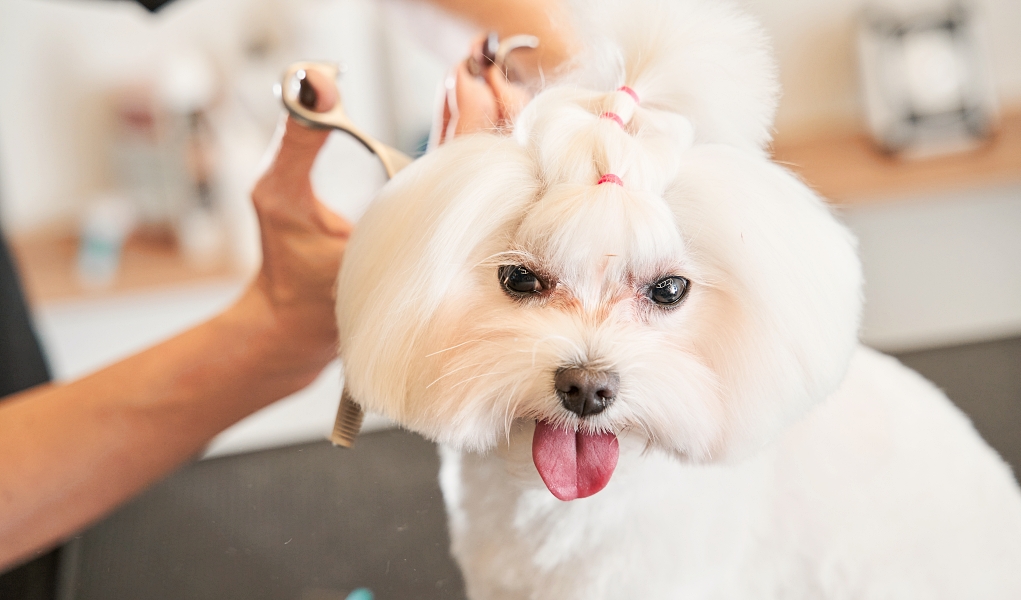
{"x":753,"y":463}
{"x":883,"y":491}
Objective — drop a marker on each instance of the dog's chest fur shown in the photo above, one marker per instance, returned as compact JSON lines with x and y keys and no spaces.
{"x":798,"y":520}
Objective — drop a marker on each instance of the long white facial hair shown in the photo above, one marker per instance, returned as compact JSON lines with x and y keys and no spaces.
{"x":428,"y":336}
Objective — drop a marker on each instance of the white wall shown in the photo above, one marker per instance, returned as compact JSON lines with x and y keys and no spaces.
{"x":940,"y":269}
{"x":815,"y":44}
{"x":60,"y":59}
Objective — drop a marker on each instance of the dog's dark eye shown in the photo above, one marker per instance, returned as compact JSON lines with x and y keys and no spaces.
{"x":669,"y":290}
{"x":519,"y":281}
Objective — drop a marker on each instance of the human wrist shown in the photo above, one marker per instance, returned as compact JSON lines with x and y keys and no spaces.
{"x":280,"y":346}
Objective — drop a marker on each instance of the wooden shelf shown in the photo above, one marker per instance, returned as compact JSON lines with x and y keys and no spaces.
{"x":844,"y":167}
{"x":848,"y":169}
{"x":47,"y":263}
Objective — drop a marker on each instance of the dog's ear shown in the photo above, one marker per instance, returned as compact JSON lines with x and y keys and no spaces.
{"x":414,"y":249}
{"x":786,"y":281}
{"x":703,"y":59}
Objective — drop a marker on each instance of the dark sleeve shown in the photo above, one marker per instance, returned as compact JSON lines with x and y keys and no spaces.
{"x":22,"y":364}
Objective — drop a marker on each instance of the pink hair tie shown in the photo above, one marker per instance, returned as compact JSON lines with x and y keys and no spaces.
{"x":629,"y":92}
{"x":610,"y":178}
{"x":614,"y":116}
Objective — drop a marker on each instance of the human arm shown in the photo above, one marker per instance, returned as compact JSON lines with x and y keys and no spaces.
{"x":546,"y":19}
{"x":71,"y":452}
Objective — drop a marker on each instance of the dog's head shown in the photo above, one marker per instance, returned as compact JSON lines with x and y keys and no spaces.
{"x":702,"y":303}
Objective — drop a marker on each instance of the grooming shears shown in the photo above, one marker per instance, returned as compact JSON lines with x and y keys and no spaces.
{"x":299,"y":97}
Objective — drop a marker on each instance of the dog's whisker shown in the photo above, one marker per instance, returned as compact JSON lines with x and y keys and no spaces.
{"x":449,"y":348}
{"x":474,"y":377}
{"x":510,"y":410}
{"x":451,"y":372}
{"x":516,"y":407}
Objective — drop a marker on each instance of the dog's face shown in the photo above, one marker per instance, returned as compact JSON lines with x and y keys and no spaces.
{"x":702,"y":305}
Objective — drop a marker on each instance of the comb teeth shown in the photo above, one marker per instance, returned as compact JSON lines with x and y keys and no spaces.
{"x":348,"y":423}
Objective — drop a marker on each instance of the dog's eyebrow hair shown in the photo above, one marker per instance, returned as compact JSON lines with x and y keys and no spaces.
{"x":494,"y":259}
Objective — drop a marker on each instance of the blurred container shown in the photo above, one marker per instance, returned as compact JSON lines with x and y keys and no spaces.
{"x":164,"y":155}
{"x":926,"y":81}
{"x":149,"y":153}
{"x":107,"y":224}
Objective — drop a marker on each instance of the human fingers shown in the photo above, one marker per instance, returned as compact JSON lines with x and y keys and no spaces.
{"x":476,"y":106}
{"x":510,"y":98}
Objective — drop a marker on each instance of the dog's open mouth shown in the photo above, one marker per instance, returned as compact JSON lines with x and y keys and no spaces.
{"x":573,"y":464}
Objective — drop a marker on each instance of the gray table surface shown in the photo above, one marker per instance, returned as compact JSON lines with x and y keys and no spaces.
{"x":312,"y":522}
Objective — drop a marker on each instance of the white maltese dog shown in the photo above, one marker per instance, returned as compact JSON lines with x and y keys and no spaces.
{"x":635,"y":338}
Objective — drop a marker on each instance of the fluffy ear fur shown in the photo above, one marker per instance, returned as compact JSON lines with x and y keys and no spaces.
{"x":414,"y":248}
{"x":785,"y":282}
{"x":430,"y":338}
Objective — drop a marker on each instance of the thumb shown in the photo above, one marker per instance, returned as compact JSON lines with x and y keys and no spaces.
{"x":300,"y":144}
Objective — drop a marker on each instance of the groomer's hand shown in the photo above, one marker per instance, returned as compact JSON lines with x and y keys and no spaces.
{"x":485,"y":100}
{"x":72,"y":451}
{"x":302,"y":245}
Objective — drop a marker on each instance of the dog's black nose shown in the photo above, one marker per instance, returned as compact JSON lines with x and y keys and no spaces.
{"x":586,"y":392}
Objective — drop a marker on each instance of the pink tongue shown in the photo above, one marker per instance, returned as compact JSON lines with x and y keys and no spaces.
{"x":573,"y":465}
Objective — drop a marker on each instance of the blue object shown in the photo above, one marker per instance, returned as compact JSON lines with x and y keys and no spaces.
{"x":360,"y":594}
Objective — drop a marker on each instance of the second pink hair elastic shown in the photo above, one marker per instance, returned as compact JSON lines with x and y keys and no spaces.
{"x":610,"y":178}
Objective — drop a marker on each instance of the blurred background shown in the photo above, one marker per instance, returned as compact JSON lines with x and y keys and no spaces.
{"x":129,"y":142}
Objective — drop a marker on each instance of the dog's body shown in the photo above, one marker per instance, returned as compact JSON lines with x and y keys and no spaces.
{"x":628,"y":294}
{"x":882,"y":491}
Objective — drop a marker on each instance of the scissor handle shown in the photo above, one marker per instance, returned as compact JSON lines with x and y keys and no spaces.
{"x":393,"y":160}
